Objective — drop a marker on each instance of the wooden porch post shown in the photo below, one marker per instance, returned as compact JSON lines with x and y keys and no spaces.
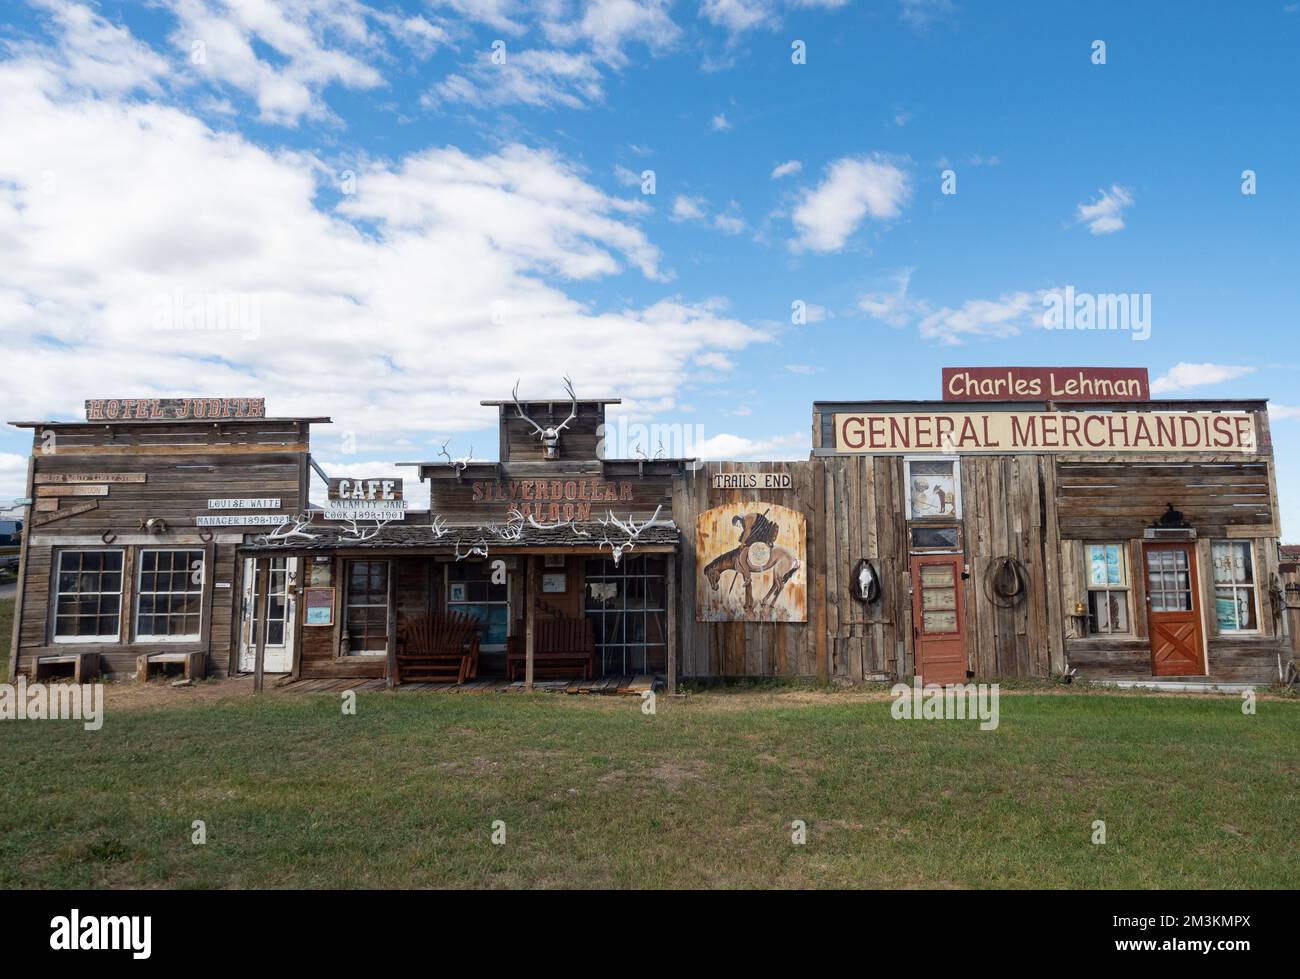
{"x":671,"y":584}
{"x":530,"y":617}
{"x":262,"y":576}
{"x":391,"y":626}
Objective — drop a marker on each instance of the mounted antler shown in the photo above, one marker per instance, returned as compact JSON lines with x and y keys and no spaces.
{"x":629,"y":527}
{"x":282,"y":535}
{"x":514,"y":528}
{"x":550,"y":437}
{"x":357,"y":534}
{"x":461,"y":464}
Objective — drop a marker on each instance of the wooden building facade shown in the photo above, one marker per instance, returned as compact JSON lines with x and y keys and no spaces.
{"x":949,"y":540}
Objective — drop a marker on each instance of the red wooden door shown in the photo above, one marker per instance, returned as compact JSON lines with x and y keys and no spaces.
{"x":938,"y":618}
{"x":1173,"y":610}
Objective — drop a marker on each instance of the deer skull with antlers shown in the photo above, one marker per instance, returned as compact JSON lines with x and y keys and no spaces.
{"x":550,"y":436}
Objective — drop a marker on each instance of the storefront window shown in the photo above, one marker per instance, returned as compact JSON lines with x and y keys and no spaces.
{"x":626,"y":603}
{"x":470,"y":590}
{"x":1107,"y":589}
{"x":366,"y":622}
{"x":1235,"y":601}
{"x":88,"y":600}
{"x":169,"y":603}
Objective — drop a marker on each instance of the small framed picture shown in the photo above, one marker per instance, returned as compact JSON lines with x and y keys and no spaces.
{"x":457,"y":592}
{"x":553,"y":561}
{"x":318,"y":606}
{"x":555,"y":583}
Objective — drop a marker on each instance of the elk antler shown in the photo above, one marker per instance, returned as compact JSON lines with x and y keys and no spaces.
{"x":520,"y":408}
{"x":573,"y":408}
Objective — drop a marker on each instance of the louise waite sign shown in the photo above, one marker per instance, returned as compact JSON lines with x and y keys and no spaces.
{"x":1045,"y":384}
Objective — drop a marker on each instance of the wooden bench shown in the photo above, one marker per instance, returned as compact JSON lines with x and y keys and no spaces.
{"x":83,"y":665}
{"x":560,"y":646}
{"x":192,"y":662}
{"x":437,"y":649}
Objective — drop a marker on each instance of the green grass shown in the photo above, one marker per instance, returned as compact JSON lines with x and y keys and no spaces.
{"x":594,"y":793}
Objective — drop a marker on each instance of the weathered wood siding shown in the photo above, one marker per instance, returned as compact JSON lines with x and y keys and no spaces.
{"x":184,"y":466}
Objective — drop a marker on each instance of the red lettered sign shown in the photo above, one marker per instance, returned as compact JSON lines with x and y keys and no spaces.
{"x":1046,"y":384}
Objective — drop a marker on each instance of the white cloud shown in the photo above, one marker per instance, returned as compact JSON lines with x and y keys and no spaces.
{"x":97,"y":55}
{"x":729,"y":222}
{"x":538,"y":78}
{"x":1182,"y":376}
{"x":719,"y":124}
{"x":1283,"y":413}
{"x":923,"y":13}
{"x":1105,"y":215}
{"x":795,"y":445}
{"x":740,"y":15}
{"x":436,"y":284}
{"x":787,"y":169}
{"x":893,"y":306}
{"x":687,"y":208}
{"x":854,"y":189}
{"x":608,"y":25}
{"x":803,"y":369}
{"x":1009,"y":315}
{"x":317,"y":43}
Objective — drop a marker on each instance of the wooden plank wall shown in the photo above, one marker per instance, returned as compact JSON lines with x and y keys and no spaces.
{"x":185,"y":465}
{"x":855,"y":508}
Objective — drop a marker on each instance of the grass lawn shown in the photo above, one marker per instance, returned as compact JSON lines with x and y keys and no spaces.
{"x":594,"y":793}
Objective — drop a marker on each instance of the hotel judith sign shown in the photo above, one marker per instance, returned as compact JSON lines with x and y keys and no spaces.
{"x":174,"y":409}
{"x":1088,"y":384}
{"x":1002,"y":432}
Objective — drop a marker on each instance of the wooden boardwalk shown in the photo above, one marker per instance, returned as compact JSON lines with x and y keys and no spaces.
{"x":608,"y":685}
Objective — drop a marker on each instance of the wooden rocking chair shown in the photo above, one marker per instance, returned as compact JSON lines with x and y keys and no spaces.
{"x":437,"y":649}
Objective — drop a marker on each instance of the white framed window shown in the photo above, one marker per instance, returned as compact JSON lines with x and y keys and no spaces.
{"x":365,"y":622}
{"x":1108,"y":589}
{"x":169,"y":596}
{"x":88,"y":596}
{"x":932,"y":487}
{"x":1236,"y":598}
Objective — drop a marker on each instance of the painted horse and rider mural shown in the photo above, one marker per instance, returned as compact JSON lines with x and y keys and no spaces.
{"x":746,"y":549}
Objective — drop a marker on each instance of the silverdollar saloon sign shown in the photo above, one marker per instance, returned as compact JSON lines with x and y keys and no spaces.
{"x":1046,"y":431}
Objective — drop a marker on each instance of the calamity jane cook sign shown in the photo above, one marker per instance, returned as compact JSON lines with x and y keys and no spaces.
{"x":1046,"y":431}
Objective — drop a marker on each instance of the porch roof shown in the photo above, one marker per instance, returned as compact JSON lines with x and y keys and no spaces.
{"x":420,"y":538}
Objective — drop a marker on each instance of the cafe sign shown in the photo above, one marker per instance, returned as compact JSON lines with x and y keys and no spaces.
{"x":1088,"y":384}
{"x":365,"y":489}
{"x":1046,"y":431}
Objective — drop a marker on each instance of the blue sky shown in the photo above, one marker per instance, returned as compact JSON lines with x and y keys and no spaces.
{"x":494,"y":226}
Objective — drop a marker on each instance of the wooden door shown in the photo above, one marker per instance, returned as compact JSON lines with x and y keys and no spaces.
{"x":938,"y":618}
{"x":1173,"y":610}
{"x":280,"y":613}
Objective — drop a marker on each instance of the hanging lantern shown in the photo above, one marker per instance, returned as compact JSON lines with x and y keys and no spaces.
{"x":866,"y":582}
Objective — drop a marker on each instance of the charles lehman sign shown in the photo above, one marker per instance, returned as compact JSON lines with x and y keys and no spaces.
{"x":1046,"y":431}
{"x":1046,"y":384}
